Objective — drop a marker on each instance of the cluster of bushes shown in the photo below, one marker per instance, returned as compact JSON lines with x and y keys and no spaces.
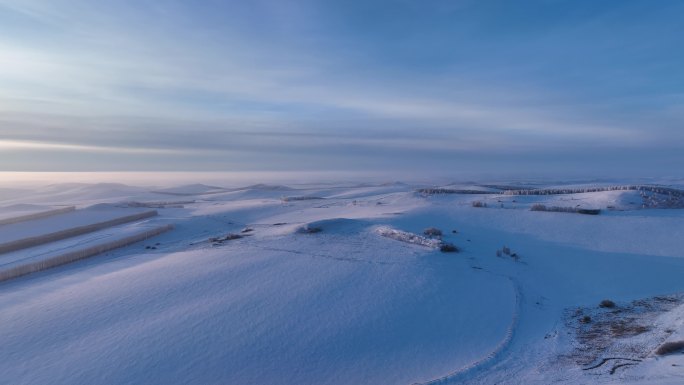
{"x":479,"y":204}
{"x":674,"y":198}
{"x":433,"y":232}
{"x":448,"y":248}
{"x":445,"y":247}
{"x":558,"y":191}
{"x":300,"y":198}
{"x":661,"y":200}
{"x":558,"y":209}
{"x":438,"y":191}
{"x":507,"y":251}
{"x":432,"y":238}
{"x":309,"y":230}
{"x":505,"y":187}
{"x":654,"y":189}
{"x":607,"y":304}
{"x":405,"y":236}
{"x":227,"y":237}
{"x":156,"y":205}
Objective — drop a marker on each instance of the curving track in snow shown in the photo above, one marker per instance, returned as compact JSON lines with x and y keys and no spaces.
{"x":459,"y":375}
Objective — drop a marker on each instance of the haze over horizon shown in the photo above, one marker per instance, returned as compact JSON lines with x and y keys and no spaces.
{"x":562,"y":88}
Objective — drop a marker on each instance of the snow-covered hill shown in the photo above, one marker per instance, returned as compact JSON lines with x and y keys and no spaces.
{"x":252,"y":288}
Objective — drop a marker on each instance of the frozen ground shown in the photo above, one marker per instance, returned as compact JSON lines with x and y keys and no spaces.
{"x":301,"y":284}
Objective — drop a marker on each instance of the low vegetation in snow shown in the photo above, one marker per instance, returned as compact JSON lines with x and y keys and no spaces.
{"x":609,"y":339}
{"x":405,"y":236}
{"x":577,"y":210}
{"x":309,"y":229}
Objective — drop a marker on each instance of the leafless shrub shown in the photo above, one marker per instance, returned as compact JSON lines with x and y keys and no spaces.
{"x":407,"y":237}
{"x":558,"y":209}
{"x":479,"y":204}
{"x":448,"y":248}
{"x":299,"y":198}
{"x":606,"y":303}
{"x":309,"y":230}
{"x":538,"y":207}
{"x":433,"y":232}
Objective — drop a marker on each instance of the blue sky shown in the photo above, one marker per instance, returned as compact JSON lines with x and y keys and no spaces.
{"x":544,"y":87}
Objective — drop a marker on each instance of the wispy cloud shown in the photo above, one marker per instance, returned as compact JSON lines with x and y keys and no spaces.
{"x":14,"y":145}
{"x":175,"y":78}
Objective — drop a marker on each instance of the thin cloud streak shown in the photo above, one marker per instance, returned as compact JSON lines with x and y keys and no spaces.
{"x":17,"y":145}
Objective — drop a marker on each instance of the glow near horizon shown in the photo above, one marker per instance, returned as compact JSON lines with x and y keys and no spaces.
{"x":539,"y":86}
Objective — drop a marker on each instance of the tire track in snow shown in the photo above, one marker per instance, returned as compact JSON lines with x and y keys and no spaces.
{"x":496,"y":354}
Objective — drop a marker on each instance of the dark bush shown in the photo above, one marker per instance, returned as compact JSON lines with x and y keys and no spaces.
{"x":538,"y":207}
{"x":448,"y":248}
{"x":606,"y":303}
{"x":585,"y":320}
{"x":227,"y":237}
{"x":432,"y":232}
{"x":670,"y":348}
{"x":589,"y":211}
{"x":479,"y":204}
{"x":309,"y":230}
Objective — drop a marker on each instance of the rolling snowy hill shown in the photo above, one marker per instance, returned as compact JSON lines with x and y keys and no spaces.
{"x":244,"y":290}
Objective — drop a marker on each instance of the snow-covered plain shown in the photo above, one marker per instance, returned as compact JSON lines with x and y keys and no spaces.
{"x":346,"y":303}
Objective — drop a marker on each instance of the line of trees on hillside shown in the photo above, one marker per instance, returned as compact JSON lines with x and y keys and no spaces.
{"x":73,"y":256}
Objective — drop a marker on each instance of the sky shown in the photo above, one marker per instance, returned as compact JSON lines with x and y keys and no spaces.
{"x":476,"y":87}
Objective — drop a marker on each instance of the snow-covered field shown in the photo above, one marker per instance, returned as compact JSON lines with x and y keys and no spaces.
{"x":338,"y":284}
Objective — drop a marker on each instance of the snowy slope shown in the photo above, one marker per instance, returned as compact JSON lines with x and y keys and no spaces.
{"x":270,"y":312}
{"x":345,"y":304}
